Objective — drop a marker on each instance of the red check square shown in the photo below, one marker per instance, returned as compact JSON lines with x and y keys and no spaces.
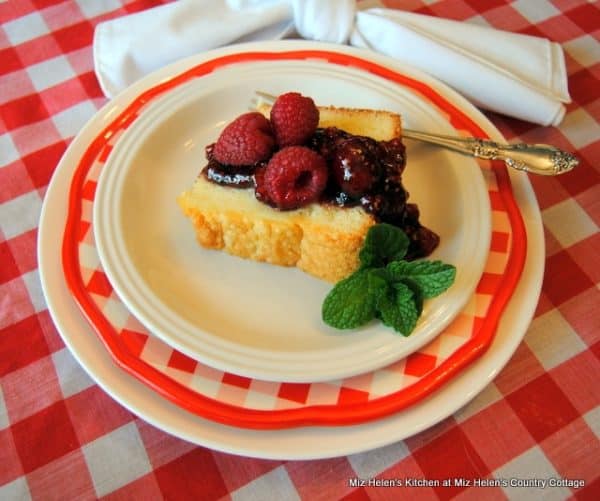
{"x":586,"y":16}
{"x":45,"y":436}
{"x":418,"y":364}
{"x":579,"y":180}
{"x":14,"y":356}
{"x":590,"y":491}
{"x":181,"y":477}
{"x":297,"y":392}
{"x":23,"y":111}
{"x":9,"y":269}
{"x":499,"y":241}
{"x":583,"y":86}
{"x":351,"y":396}
{"x":41,"y":164}
{"x":564,"y":279}
{"x":134,"y":341}
{"x":182,"y":362}
{"x":10,"y":61}
{"x":75,"y":36}
{"x":489,"y":283}
{"x":542,"y":407}
{"x":450,"y":455}
{"x":99,"y":284}
{"x":90,"y":85}
{"x":89,"y":190}
{"x":237,"y":381}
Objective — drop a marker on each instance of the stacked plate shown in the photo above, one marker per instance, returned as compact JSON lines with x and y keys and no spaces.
{"x":232,"y":354}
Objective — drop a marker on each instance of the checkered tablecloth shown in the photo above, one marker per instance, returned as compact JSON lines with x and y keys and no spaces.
{"x":62,"y":437}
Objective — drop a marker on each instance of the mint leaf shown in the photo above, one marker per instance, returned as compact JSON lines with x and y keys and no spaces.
{"x":383,"y":243}
{"x":352,"y":301}
{"x":398,"y":310}
{"x":432,"y":277}
{"x":385,"y":286}
{"x":415,"y":289}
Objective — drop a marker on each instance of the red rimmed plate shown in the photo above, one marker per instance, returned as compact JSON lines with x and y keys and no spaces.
{"x":253,"y":320}
{"x":287,"y":443}
{"x":250,"y":403}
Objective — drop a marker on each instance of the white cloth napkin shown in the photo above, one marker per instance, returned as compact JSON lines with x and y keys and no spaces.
{"x":513,"y":74}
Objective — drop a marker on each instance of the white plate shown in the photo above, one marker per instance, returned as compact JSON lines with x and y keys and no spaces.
{"x":254,"y":319}
{"x":296,"y":443}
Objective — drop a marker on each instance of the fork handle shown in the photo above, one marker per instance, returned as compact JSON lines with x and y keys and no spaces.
{"x":535,"y":158}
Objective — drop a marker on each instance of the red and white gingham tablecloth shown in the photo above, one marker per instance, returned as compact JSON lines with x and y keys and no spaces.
{"x":62,"y":437}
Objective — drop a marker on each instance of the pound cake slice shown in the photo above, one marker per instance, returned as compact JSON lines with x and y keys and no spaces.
{"x":235,"y":208}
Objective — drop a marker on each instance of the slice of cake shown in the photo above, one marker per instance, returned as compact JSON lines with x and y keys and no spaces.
{"x":303,"y":186}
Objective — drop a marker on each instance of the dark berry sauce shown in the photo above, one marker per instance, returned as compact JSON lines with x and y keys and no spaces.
{"x":362,"y":171}
{"x":229,"y":175}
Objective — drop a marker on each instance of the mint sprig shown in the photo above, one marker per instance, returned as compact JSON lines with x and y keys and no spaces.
{"x":385,"y":286}
{"x":355,"y":300}
{"x":432,"y":277}
{"x":383,"y":244}
{"x":399,"y":309}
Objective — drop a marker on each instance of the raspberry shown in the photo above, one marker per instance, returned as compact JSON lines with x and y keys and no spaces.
{"x":245,"y":141}
{"x":260,"y":187}
{"x":294,"y":119}
{"x":294,"y":177}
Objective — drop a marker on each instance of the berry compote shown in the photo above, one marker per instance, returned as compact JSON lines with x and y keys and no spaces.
{"x":362,"y":171}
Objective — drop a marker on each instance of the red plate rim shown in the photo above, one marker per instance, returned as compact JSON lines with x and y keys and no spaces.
{"x":326,"y":415}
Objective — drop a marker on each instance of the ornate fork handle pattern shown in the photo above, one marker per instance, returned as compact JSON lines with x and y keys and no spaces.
{"x":535,"y":158}
{"x":541,"y":159}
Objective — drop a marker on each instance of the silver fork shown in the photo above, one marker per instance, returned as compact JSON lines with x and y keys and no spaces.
{"x":542,"y":159}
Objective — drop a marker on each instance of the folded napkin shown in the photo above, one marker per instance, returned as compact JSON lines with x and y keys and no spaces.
{"x":513,"y":74}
